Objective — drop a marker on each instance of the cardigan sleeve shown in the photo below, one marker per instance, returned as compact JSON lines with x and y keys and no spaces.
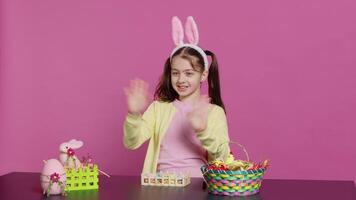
{"x":215,"y":138}
{"x":138,"y":129}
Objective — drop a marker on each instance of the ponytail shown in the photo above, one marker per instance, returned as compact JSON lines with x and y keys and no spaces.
{"x":214,"y":81}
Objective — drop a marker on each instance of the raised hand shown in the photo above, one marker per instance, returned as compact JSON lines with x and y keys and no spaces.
{"x":198,"y":117}
{"x":137,"y":96}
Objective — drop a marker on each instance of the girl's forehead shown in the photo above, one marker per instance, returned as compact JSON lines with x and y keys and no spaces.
{"x":179,"y":63}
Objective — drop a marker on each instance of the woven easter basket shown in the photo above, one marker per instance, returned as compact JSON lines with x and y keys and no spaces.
{"x":233,"y":183}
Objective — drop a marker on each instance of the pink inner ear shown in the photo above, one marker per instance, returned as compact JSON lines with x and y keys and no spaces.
{"x":191,"y":31}
{"x":177,"y":31}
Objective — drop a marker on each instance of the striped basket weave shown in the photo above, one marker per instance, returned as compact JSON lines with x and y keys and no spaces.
{"x":233,"y":183}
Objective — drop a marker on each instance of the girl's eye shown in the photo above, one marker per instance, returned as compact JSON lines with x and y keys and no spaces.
{"x":174,"y":73}
{"x":189,"y":74}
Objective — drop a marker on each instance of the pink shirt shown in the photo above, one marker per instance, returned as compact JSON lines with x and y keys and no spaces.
{"x":181,"y":150}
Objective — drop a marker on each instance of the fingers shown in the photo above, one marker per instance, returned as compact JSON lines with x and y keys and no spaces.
{"x":139,"y":83}
{"x":137,"y":86}
{"x":127,"y":91}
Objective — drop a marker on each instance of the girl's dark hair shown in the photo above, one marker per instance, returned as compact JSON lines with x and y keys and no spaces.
{"x":164,"y":90}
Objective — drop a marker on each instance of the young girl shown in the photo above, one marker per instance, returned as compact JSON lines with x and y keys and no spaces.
{"x":184,"y":129}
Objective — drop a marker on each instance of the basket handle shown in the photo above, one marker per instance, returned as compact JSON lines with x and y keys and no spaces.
{"x":240,"y":145}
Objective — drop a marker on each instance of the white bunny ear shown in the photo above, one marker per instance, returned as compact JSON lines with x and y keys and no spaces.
{"x":75,"y":144}
{"x":191,"y":31}
{"x":177,"y":31}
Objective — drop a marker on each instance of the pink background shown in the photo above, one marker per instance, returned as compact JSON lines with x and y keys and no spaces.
{"x":288,"y":73}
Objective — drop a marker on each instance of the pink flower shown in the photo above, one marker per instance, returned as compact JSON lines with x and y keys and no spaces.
{"x":70,"y":152}
{"x":54,"y":177}
{"x":87,"y":160}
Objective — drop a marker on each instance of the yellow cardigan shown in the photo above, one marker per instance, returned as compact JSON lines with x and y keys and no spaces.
{"x":154,"y":123}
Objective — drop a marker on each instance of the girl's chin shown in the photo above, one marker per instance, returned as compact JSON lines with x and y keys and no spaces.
{"x":183,"y":95}
{"x":183,"y":92}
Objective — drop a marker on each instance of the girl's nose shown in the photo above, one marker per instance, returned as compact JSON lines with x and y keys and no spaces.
{"x":181,"y":79}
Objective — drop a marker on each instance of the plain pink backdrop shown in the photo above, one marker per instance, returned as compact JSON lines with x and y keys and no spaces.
{"x":287,"y":74}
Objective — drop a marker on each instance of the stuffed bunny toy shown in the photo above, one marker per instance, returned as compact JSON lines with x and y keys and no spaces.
{"x":67,"y":153}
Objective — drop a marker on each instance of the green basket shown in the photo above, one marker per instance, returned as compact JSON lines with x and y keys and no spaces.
{"x":233,"y":183}
{"x":84,"y":178}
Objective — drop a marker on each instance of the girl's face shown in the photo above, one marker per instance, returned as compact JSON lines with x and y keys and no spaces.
{"x":185,"y":79}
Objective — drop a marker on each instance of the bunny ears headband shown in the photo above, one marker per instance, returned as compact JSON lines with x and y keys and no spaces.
{"x":191,"y":31}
